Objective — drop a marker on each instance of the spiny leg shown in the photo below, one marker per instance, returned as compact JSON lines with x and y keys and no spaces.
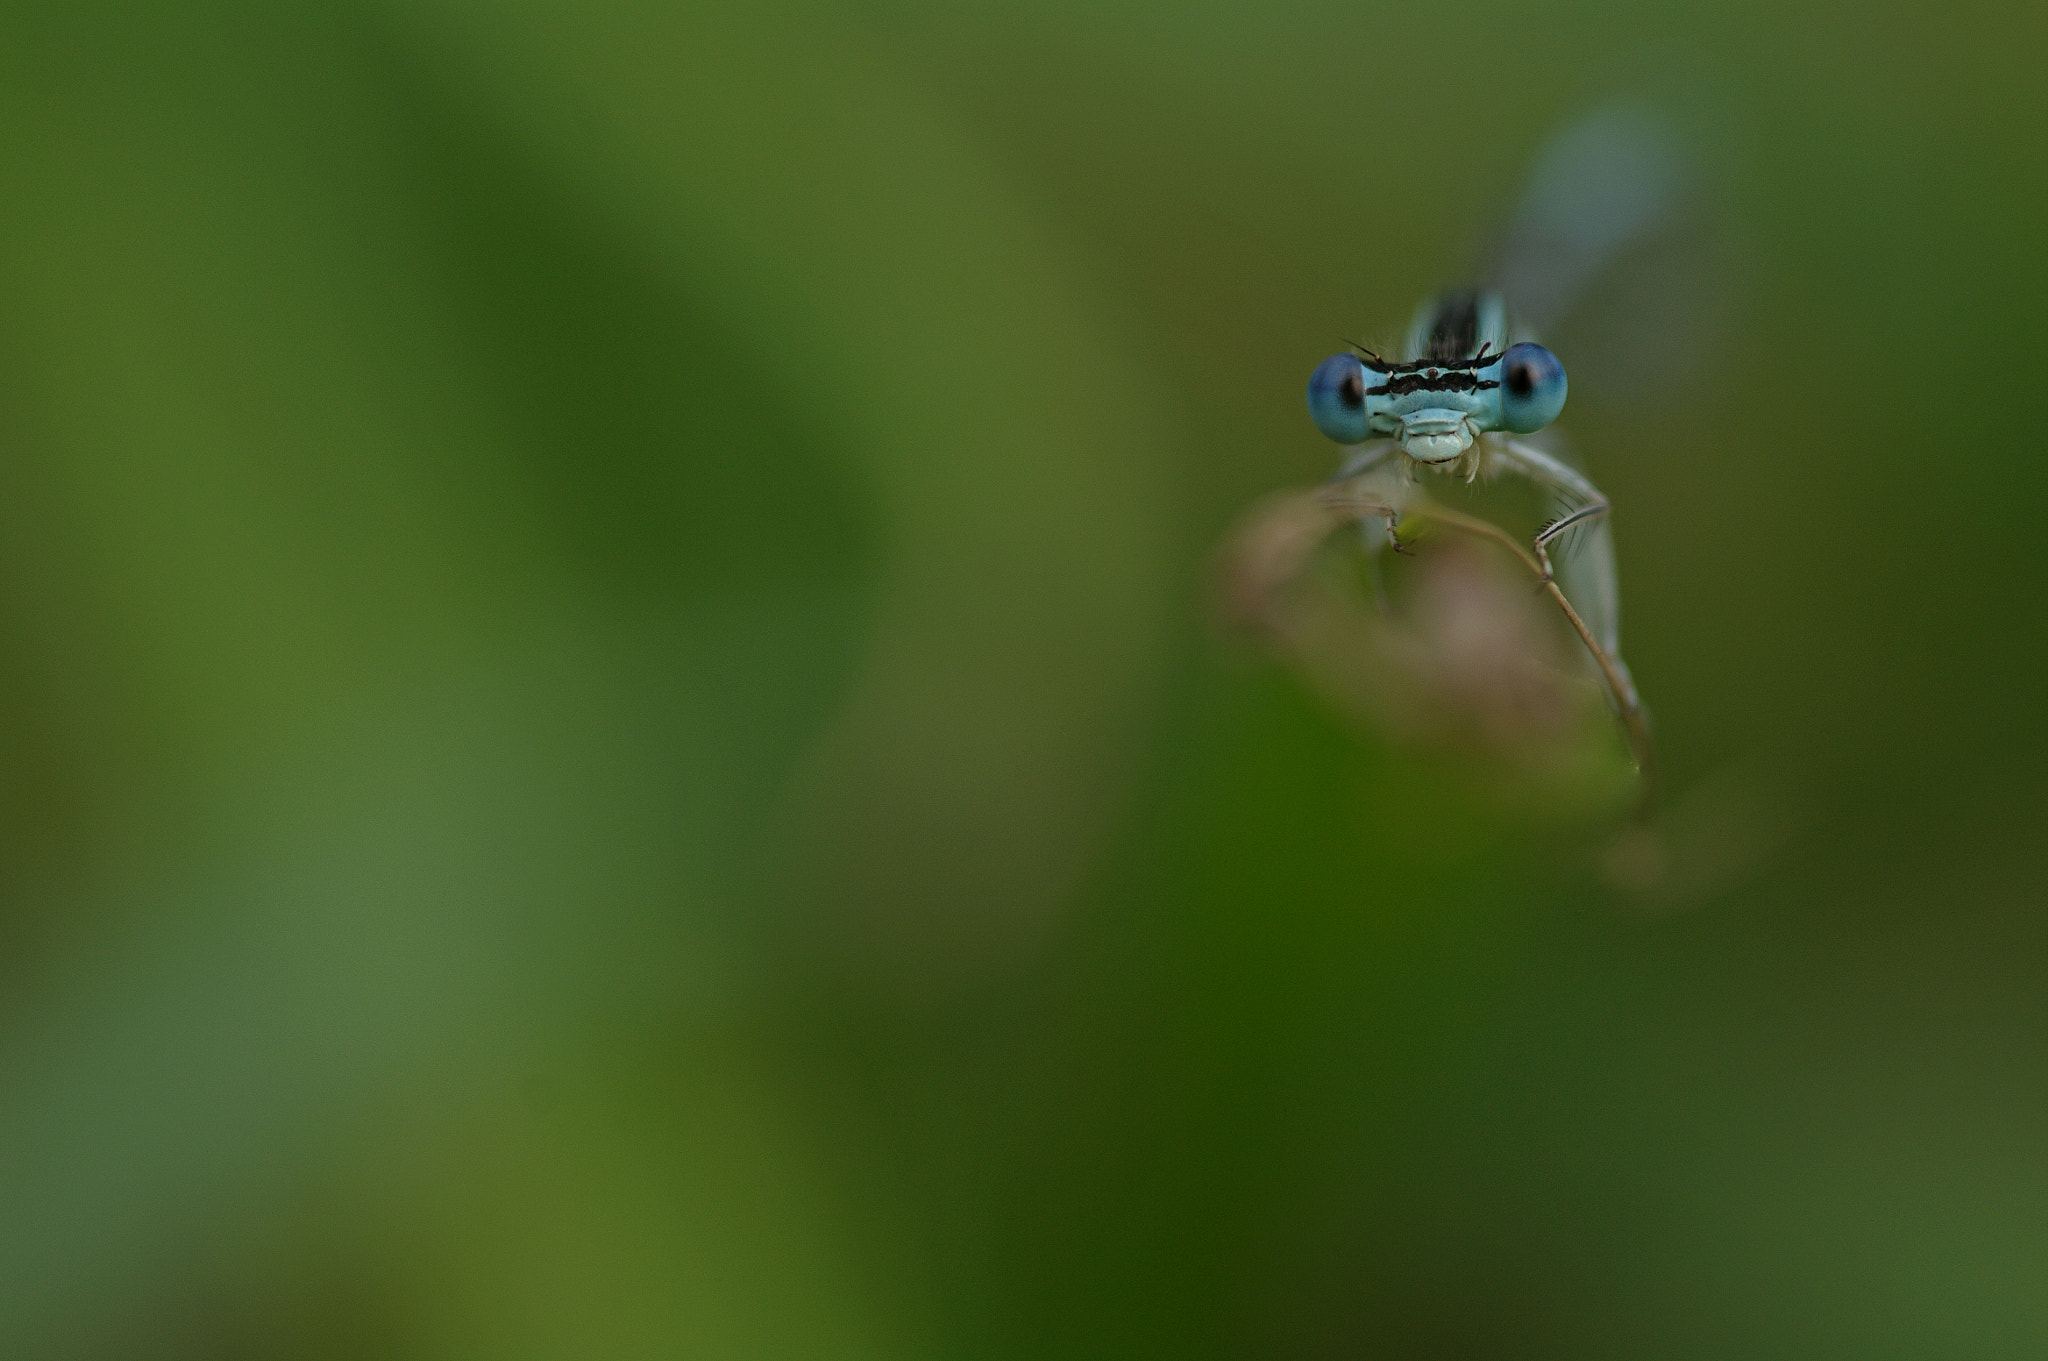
{"x":1588,"y":572}
{"x":1365,"y":509}
{"x":1587,"y":503}
{"x":1620,"y":687}
{"x":1372,"y":484}
{"x":1558,"y":526}
{"x":1394,"y":536}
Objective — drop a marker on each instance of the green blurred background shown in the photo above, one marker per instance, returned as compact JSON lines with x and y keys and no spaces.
{"x":611,"y":743}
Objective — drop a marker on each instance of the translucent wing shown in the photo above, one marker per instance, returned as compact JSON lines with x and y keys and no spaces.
{"x":1613,"y":197}
{"x":1611,"y":180}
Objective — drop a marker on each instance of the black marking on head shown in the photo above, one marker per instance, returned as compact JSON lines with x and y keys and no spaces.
{"x":1456,"y":328}
{"x":1447,"y":380}
{"x":1351,"y":389}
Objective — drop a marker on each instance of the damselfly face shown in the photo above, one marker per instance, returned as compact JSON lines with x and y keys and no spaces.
{"x":1432,"y":407}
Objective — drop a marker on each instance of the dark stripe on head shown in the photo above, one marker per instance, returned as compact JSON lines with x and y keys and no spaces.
{"x":1432,"y":380}
{"x":1455,"y":333}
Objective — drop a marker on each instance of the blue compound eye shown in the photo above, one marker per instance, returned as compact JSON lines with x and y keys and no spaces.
{"x":1336,"y":399}
{"x":1531,"y":388}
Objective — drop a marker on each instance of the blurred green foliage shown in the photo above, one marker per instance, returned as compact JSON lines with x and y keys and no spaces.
{"x":610,"y":744}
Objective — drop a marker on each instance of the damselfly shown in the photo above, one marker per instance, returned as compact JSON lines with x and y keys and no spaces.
{"x":1469,"y":387}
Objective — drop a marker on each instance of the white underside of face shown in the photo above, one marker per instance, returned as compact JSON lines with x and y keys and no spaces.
{"x":1436,"y":448}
